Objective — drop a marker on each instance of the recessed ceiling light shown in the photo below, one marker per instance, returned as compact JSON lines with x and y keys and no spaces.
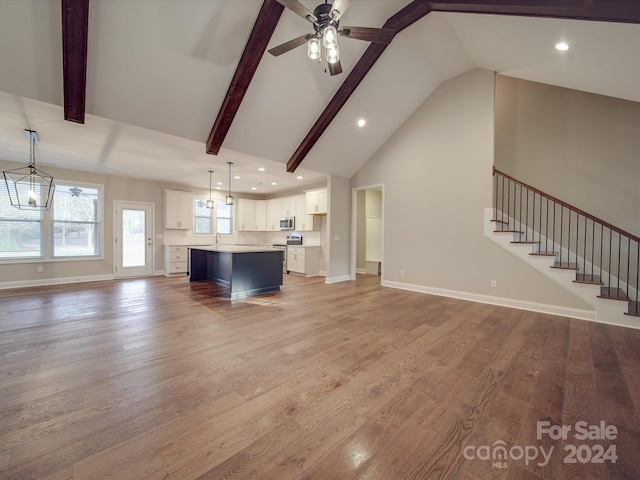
{"x":562,"y":46}
{"x":218,"y":183}
{"x":253,"y":188}
{"x":237,"y":177}
{"x":362,"y":122}
{"x":218,"y":188}
{"x":299,"y":177}
{"x":261,"y":169}
{"x":274,"y":183}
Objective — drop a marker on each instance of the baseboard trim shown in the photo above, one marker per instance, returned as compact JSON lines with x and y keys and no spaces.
{"x":361,"y":270}
{"x":343,"y":278}
{"x":55,"y":281}
{"x":502,"y":302}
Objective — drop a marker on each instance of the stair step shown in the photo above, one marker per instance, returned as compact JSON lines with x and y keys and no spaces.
{"x":527,"y":242}
{"x":634,"y":309}
{"x":613,"y":293}
{"x":544,"y":254}
{"x":507,"y":231}
{"x":565,"y":265}
{"x":501,"y":221}
{"x":590,"y":279}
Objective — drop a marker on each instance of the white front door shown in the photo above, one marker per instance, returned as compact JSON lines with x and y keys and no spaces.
{"x":133,"y":241}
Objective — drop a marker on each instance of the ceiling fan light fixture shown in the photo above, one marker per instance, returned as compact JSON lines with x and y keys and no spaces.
{"x":333,"y":54}
{"x":313,"y":48}
{"x":330,"y":37}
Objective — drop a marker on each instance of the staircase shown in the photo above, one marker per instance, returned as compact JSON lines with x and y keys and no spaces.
{"x":593,"y":259}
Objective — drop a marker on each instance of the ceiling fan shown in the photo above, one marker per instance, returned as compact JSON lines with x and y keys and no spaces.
{"x":326,"y":23}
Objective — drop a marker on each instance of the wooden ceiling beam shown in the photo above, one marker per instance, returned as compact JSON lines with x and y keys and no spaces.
{"x":625,"y":11}
{"x":75,"y":30}
{"x":260,"y":36}
{"x":398,"y":22}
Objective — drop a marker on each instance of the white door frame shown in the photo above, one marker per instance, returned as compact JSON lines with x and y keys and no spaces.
{"x":150,"y":235}
{"x":354,"y":228}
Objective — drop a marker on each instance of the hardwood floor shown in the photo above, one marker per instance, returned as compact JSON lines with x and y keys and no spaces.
{"x":155,"y":379}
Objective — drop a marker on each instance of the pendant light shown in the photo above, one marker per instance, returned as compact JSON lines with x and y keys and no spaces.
{"x":30,"y":188}
{"x":210,"y":202}
{"x":229,"y":199}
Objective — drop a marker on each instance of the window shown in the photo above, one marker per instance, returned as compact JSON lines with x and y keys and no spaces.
{"x":224,"y":218}
{"x":203,"y":224}
{"x":20,"y":230}
{"x":74,"y":225}
{"x":204,"y":218}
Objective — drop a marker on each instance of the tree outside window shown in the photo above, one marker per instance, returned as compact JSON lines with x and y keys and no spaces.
{"x":75,"y":224}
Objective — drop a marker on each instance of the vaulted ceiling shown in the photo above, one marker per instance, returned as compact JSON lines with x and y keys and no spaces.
{"x":162,"y":76}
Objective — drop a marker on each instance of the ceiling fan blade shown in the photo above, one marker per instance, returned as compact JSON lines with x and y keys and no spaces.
{"x":339,"y":6}
{"x":290,"y":45}
{"x":296,"y":7}
{"x":335,"y":68}
{"x":368,"y":34}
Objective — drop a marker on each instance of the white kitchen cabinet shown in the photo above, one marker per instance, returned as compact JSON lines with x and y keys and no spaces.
{"x":261,"y":215}
{"x":251,"y":215}
{"x":304,"y":260}
{"x":304,"y":222}
{"x":178,"y":209}
{"x":316,"y":202}
{"x":273,"y":215}
{"x":175,"y":260}
{"x":287,"y":206}
{"x":246,"y":215}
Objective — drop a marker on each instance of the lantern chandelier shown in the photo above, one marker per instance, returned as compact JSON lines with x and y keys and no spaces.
{"x":229,"y":199}
{"x":30,"y":188}
{"x":210,"y":202}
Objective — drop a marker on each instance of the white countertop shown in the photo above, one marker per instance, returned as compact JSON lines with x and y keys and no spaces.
{"x":235,"y":248}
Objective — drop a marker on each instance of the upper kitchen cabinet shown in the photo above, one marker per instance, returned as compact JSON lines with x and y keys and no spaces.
{"x":273,"y":210}
{"x":251,"y":215}
{"x":316,"y":201}
{"x":261,"y":215}
{"x":304,"y":222}
{"x":178,"y":209}
{"x":287,"y":207}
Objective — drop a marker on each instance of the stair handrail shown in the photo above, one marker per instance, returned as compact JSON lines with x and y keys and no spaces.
{"x":568,"y":205}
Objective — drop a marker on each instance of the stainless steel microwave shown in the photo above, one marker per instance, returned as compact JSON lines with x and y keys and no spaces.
{"x":287,"y":223}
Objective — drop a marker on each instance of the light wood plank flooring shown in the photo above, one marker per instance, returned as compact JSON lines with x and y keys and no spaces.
{"x":155,"y":379}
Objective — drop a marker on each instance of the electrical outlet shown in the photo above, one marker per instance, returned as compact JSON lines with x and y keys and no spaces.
{"x":494,"y":284}
{"x":39,"y":269}
{"x":402,"y":272}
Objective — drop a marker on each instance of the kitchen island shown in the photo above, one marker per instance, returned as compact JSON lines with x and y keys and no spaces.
{"x":244,"y":270}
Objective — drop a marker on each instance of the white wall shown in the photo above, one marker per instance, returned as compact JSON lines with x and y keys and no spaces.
{"x":436,"y":171}
{"x":579,"y":147}
{"x":338,"y":248}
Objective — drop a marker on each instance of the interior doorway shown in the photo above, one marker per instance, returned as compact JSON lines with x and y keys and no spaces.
{"x":367,"y":221}
{"x":133,"y":239}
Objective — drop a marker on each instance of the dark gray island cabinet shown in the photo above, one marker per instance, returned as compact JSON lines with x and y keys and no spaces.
{"x":245,"y":271}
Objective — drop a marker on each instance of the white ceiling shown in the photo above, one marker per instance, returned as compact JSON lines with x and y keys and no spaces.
{"x":158,"y":71}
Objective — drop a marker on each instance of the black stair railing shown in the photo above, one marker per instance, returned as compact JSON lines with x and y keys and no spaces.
{"x":601,"y":253}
